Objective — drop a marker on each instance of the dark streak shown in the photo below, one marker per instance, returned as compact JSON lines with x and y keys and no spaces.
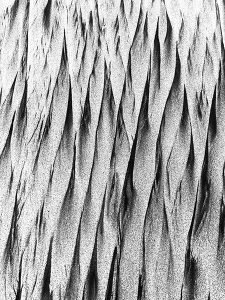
{"x":82,"y":25}
{"x":190,"y":269}
{"x":47,"y":14}
{"x":111,"y":274}
{"x":8,"y":101}
{"x":117,"y":45}
{"x":143,"y":121}
{"x":13,"y":12}
{"x":72,"y":286}
{"x":41,"y":219}
{"x":69,"y":116}
{"x":158,"y":164}
{"x":221,"y":224}
{"x":22,"y":112}
{"x":122,"y":9}
{"x":185,"y":113}
{"x":168,"y":38}
{"x":140,"y":288}
{"x":48,"y":122}
{"x":203,"y":195}
{"x":116,"y":27}
{"x":177,"y":75}
{"x":145,"y":32}
{"x":8,"y":141}
{"x":157,"y":56}
{"x":128,"y":193}
{"x":191,"y":156}
{"x":64,"y":57}
{"x":19,"y":287}
{"x":199,"y":104}
{"x":191,"y":274}
{"x":86,"y":115}
{"x":91,"y":22}
{"x":213,"y":117}
{"x":46,"y":295}
{"x":189,"y":61}
{"x":92,"y":277}
{"x":140,"y":20}
{"x":129,"y":73}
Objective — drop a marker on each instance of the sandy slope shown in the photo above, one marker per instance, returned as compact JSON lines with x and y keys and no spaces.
{"x":112,"y":150}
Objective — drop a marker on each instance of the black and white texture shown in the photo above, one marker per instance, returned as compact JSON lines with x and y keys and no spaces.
{"x":112,"y":149}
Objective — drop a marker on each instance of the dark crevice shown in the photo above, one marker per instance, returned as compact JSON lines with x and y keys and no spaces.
{"x":191,"y":274}
{"x":46,"y":295}
{"x":120,"y":126}
{"x":72,"y":286}
{"x":143,"y":121}
{"x":101,"y":218}
{"x":69,"y":116}
{"x":129,"y":73}
{"x":22,"y":112}
{"x":64,"y":57}
{"x":13,"y":12}
{"x":11,"y":180}
{"x":185,"y":112}
{"x":8,"y":141}
{"x":191,"y":156}
{"x":116,"y":27}
{"x":82,"y":25}
{"x":86,"y":115}
{"x":168,"y":38}
{"x":189,"y":61}
{"x":219,"y":79}
{"x":145,"y":31}
{"x":12,"y":237}
{"x":140,"y":20}
{"x":117,"y":274}
{"x":158,"y":162}
{"x":190,"y":268}
{"x":111,"y":192}
{"x":93,"y":72}
{"x":49,"y":85}
{"x":91,"y":285}
{"x":47,"y":14}
{"x":71,"y":184}
{"x":10,"y":96}
{"x":19,"y":286}
{"x":48,"y":122}
{"x":91,"y":22}
{"x":128,"y":193}
{"x":99,"y":42}
{"x":35,"y":251}
{"x":203,"y":194}
{"x":109,"y":290}
{"x":140,"y":288}
{"x":157,"y":56}
{"x":177,"y":75}
{"x":122,"y":9}
{"x":41,"y":219}
{"x":199,"y":104}
{"x":213,"y":117}
{"x":111,"y":101}
{"x":165,"y":218}
{"x":37,"y":158}
{"x":117,"y":45}
{"x":221,"y":224}
{"x":23,"y":63}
